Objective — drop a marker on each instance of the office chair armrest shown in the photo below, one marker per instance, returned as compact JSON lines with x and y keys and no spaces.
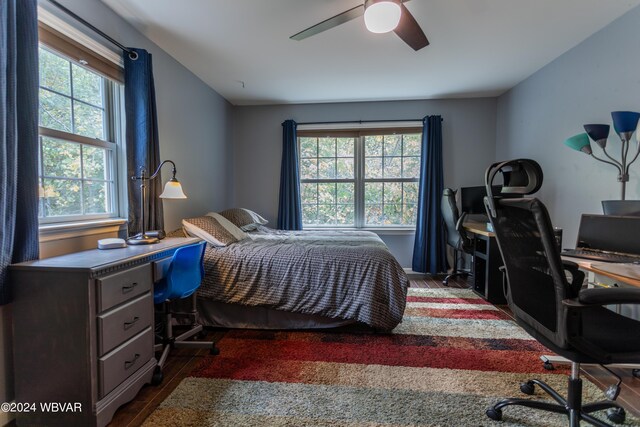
{"x":604,"y":296}
{"x":577,"y":276}
{"x":460,"y":223}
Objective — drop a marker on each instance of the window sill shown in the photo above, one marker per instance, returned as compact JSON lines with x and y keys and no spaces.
{"x":68,"y":230}
{"x":378,"y":230}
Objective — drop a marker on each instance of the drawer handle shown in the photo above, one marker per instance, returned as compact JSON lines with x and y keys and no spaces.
{"x":130,"y":363}
{"x":128,"y":325}
{"x":129,"y":288}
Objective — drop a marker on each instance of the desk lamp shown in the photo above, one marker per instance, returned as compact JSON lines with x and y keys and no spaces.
{"x":172,"y":190}
{"x":624,"y":123}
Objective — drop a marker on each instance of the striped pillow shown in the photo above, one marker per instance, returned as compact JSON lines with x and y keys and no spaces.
{"x":208,"y":229}
{"x":244,"y":218}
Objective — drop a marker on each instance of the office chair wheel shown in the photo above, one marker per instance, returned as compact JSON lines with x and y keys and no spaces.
{"x":527,"y":388}
{"x":494,"y":414}
{"x":616,"y":415}
{"x":214,"y":351}
{"x":157,"y":377}
{"x":548,"y":366}
{"x":635,"y":373}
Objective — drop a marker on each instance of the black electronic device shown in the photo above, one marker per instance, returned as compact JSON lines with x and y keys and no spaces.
{"x":472,"y":199}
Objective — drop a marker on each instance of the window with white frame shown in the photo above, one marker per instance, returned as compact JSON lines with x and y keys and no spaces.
{"x":361,"y":179}
{"x":78,"y":113}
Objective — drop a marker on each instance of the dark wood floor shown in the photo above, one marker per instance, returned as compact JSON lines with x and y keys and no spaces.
{"x":182,"y":361}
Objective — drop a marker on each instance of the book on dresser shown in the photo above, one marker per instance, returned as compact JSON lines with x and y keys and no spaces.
{"x":84,"y":331}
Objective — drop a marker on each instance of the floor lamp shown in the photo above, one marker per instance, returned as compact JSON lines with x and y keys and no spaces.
{"x":172,"y":190}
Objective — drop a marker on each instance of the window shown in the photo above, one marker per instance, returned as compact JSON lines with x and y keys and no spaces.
{"x":359,"y":179}
{"x":78,"y":162}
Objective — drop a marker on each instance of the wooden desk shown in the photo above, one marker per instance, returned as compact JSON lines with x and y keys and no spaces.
{"x":625,"y":273}
{"x":487,"y":278}
{"x":83,"y":331}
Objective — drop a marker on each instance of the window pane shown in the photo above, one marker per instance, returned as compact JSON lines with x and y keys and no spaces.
{"x":344,"y":193}
{"x":345,"y":147}
{"x":411,"y":167}
{"x":88,"y":120}
{"x":345,"y":168}
{"x":309,"y":193}
{"x":309,"y":214}
{"x":63,"y":197}
{"x":373,"y":214}
{"x":54,"y":72}
{"x":392,"y":167}
{"x":327,"y":214}
{"x":392,"y":192}
{"x":392,"y":145}
{"x":373,"y":167}
{"x":392,"y":214}
{"x":410,"y":192}
{"x":345,"y":215}
{"x":308,"y":169}
{"x":60,"y":158}
{"x":95,"y":197}
{"x":95,"y":162}
{"x":327,"y":193}
{"x":373,"y":146}
{"x":412,"y":145}
{"x":327,"y":168}
{"x":409,"y":214}
{"x":55,"y":111}
{"x":308,"y":147}
{"x":87,"y":86}
{"x":326,"y":147}
{"x":373,"y":192}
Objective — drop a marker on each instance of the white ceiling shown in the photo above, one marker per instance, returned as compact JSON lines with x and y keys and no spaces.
{"x":478,"y":47}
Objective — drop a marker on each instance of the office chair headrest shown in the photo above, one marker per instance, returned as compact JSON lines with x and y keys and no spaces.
{"x":519,"y":177}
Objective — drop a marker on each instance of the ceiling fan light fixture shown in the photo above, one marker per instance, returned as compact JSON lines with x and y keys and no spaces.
{"x":382,"y":16}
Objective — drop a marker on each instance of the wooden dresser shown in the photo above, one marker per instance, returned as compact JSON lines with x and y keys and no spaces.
{"x":84,"y":332}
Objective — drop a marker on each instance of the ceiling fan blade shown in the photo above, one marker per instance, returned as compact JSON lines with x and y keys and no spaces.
{"x":330,"y":23}
{"x":409,"y":30}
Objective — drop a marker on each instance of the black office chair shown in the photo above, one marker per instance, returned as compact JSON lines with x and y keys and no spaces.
{"x":457,"y":236}
{"x":571,"y":321}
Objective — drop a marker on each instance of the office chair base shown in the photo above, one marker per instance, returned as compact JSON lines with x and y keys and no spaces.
{"x":571,"y":406}
{"x":465,"y":274}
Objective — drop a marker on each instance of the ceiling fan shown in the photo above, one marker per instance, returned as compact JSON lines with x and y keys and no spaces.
{"x":380,"y":16}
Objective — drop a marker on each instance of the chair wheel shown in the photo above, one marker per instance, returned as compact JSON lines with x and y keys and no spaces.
{"x":616,"y":415}
{"x":214,"y":351}
{"x":445,"y":282}
{"x":635,"y":373}
{"x":548,"y":366}
{"x":527,"y":388}
{"x":157,"y":377}
{"x":494,"y":414}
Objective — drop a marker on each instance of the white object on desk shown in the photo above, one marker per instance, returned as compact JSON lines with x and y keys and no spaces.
{"x":113,"y":243}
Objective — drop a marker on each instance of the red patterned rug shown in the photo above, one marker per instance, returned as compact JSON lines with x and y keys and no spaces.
{"x":452,"y":357}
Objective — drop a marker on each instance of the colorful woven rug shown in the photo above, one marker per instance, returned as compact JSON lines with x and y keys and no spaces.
{"x":452,"y":357}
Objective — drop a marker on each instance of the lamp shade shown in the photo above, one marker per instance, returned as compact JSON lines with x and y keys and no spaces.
{"x":381,"y":16}
{"x":598,"y":133}
{"x":625,"y":121}
{"x":173,"y":190}
{"x":579,"y":142}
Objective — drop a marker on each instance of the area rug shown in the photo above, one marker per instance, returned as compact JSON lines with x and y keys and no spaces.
{"x":452,"y":357}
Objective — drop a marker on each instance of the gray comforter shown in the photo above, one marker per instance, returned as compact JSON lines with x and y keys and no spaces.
{"x":349,"y":275}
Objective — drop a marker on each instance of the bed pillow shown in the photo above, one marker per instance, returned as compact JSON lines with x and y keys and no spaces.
{"x":208,"y":229}
{"x":229,"y":226}
{"x":244,"y":218}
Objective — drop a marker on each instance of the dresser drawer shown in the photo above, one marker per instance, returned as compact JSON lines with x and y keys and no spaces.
{"x":118,"y":365}
{"x":117,"y":326}
{"x":119,"y":287}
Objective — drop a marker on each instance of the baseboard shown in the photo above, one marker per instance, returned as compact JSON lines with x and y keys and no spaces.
{"x":414,"y":275}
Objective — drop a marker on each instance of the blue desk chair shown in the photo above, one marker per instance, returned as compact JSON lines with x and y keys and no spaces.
{"x":180,"y":278}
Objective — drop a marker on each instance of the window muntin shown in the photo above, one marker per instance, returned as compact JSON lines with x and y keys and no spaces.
{"x":78,"y":152}
{"x":360,"y":180}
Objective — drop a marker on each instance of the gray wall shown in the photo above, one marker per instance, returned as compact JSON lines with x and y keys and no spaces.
{"x":468,"y":139}
{"x":195,"y":131}
{"x":582,"y":86}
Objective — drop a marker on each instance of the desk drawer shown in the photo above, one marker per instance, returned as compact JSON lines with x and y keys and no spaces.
{"x":119,"y":287}
{"x":122,"y":362}
{"x":117,"y":326}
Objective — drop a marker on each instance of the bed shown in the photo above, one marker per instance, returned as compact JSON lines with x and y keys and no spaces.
{"x":302,"y":279}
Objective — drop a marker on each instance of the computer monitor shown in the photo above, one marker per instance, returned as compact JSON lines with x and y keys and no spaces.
{"x":609,"y":233}
{"x":472,"y":199}
{"x":621,"y":207}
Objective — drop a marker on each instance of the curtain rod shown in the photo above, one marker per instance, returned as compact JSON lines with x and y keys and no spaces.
{"x":360,"y":122}
{"x":132,"y":54}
